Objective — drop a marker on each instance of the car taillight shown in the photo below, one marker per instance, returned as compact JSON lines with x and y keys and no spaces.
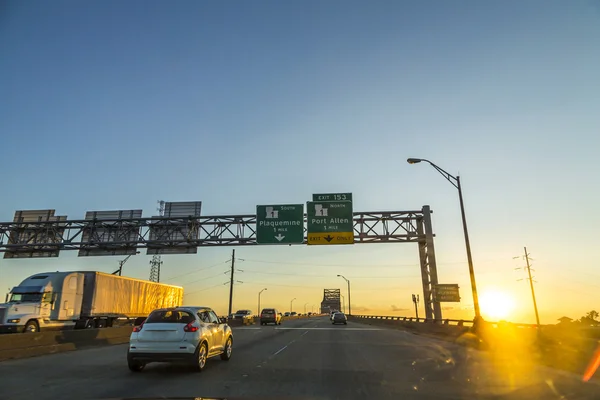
{"x":138,"y":328}
{"x":190,"y":327}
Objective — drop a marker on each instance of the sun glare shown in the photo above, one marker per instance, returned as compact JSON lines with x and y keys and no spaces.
{"x":496,"y":305}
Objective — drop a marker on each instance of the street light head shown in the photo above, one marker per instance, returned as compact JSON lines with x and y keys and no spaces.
{"x":339,"y":275}
{"x":413,"y":160}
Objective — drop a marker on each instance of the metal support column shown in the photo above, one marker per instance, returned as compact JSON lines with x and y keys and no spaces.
{"x":429,"y":277}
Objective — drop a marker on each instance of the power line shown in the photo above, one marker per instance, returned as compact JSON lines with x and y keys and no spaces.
{"x":210,"y":287}
{"x":328,"y":265}
{"x":278,"y":284}
{"x":195,"y":271}
{"x":207,"y":277}
{"x":329,"y":276}
{"x":350,"y":266}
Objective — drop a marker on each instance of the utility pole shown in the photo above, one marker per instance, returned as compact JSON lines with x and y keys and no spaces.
{"x":415,"y":299}
{"x":537,"y":315}
{"x":231,"y":282}
{"x":528,"y":267}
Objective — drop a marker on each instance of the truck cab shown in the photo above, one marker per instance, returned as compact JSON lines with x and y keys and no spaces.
{"x":45,"y":300}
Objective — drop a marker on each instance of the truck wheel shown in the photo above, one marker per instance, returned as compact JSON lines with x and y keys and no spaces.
{"x":226,"y":355}
{"x":31,"y":327}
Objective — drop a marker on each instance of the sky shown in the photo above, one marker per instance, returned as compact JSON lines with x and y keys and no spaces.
{"x":112,"y":105}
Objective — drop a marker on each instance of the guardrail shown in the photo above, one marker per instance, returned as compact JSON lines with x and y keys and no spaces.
{"x":452,"y":322}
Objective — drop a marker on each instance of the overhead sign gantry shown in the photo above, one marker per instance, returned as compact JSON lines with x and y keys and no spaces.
{"x":182,"y":229}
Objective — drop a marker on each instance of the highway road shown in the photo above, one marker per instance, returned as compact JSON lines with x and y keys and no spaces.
{"x":307,"y":358}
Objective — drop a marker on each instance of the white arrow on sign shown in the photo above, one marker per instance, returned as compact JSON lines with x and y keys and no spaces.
{"x":279,"y":237}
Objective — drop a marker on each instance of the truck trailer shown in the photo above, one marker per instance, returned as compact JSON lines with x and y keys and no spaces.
{"x":82,"y":299}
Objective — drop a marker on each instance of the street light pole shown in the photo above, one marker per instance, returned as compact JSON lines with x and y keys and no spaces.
{"x":343,"y":303}
{"x":349,"y":303}
{"x":258,"y":311}
{"x":291,"y":304}
{"x":305,"y":308}
{"x":455,"y":181}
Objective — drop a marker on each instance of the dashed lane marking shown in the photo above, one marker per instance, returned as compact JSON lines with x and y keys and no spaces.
{"x":331,"y":329}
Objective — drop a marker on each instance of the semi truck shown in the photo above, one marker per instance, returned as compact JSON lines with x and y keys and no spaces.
{"x":82,"y":299}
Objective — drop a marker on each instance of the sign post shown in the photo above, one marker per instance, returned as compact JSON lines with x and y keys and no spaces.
{"x":280,"y":224}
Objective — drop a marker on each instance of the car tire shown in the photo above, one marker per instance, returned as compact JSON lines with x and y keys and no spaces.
{"x":200,"y":357}
{"x":226,"y":355}
{"x":134,"y":365}
{"x":345,"y":323}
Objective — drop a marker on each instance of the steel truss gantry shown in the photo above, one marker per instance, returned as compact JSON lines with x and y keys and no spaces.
{"x":162,"y":235}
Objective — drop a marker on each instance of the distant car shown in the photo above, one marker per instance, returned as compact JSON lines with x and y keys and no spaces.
{"x":239,"y":314}
{"x":287,"y":314}
{"x":270,"y":316}
{"x":339,"y":318}
{"x":189,"y":335}
{"x":293,"y":314}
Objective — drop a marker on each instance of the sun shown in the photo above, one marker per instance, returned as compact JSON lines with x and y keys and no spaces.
{"x":496,"y":305}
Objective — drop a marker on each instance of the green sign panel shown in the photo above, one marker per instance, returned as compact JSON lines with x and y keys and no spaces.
{"x":332,"y":197}
{"x":446,"y":293}
{"x":280,"y":224}
{"x":330,"y":222}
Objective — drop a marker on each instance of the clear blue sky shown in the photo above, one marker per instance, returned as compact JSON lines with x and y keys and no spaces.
{"x":114,"y":105}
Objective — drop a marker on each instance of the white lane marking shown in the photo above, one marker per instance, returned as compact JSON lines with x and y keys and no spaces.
{"x":304,"y":333}
{"x":280,"y":350}
{"x":330,"y":329}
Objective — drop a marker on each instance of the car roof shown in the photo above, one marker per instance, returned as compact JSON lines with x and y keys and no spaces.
{"x":195,"y":308}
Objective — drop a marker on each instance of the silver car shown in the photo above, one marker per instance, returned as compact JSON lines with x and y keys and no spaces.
{"x":183,"y":334}
{"x":339,"y":318}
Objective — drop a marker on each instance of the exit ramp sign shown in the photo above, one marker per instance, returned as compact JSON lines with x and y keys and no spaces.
{"x":329,"y":222}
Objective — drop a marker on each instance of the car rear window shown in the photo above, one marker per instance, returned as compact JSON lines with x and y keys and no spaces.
{"x":268,"y":311}
{"x":170,"y":316}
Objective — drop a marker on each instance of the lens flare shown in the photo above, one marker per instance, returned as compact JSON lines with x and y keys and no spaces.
{"x":496,"y":305}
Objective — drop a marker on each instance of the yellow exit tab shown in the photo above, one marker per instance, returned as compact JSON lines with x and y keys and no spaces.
{"x":331,"y":238}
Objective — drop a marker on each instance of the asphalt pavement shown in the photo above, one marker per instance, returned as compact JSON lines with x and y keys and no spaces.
{"x":305,"y":358}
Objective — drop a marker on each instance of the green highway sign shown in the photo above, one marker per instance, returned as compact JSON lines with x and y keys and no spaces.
{"x":280,"y":224}
{"x":330,"y":222}
{"x":446,"y":293}
{"x":332,"y":197}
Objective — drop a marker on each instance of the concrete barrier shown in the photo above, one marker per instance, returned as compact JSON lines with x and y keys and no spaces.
{"x":41,"y":343}
{"x":435,"y":328}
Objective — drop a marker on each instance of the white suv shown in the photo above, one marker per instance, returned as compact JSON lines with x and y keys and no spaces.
{"x":182,"y":334}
